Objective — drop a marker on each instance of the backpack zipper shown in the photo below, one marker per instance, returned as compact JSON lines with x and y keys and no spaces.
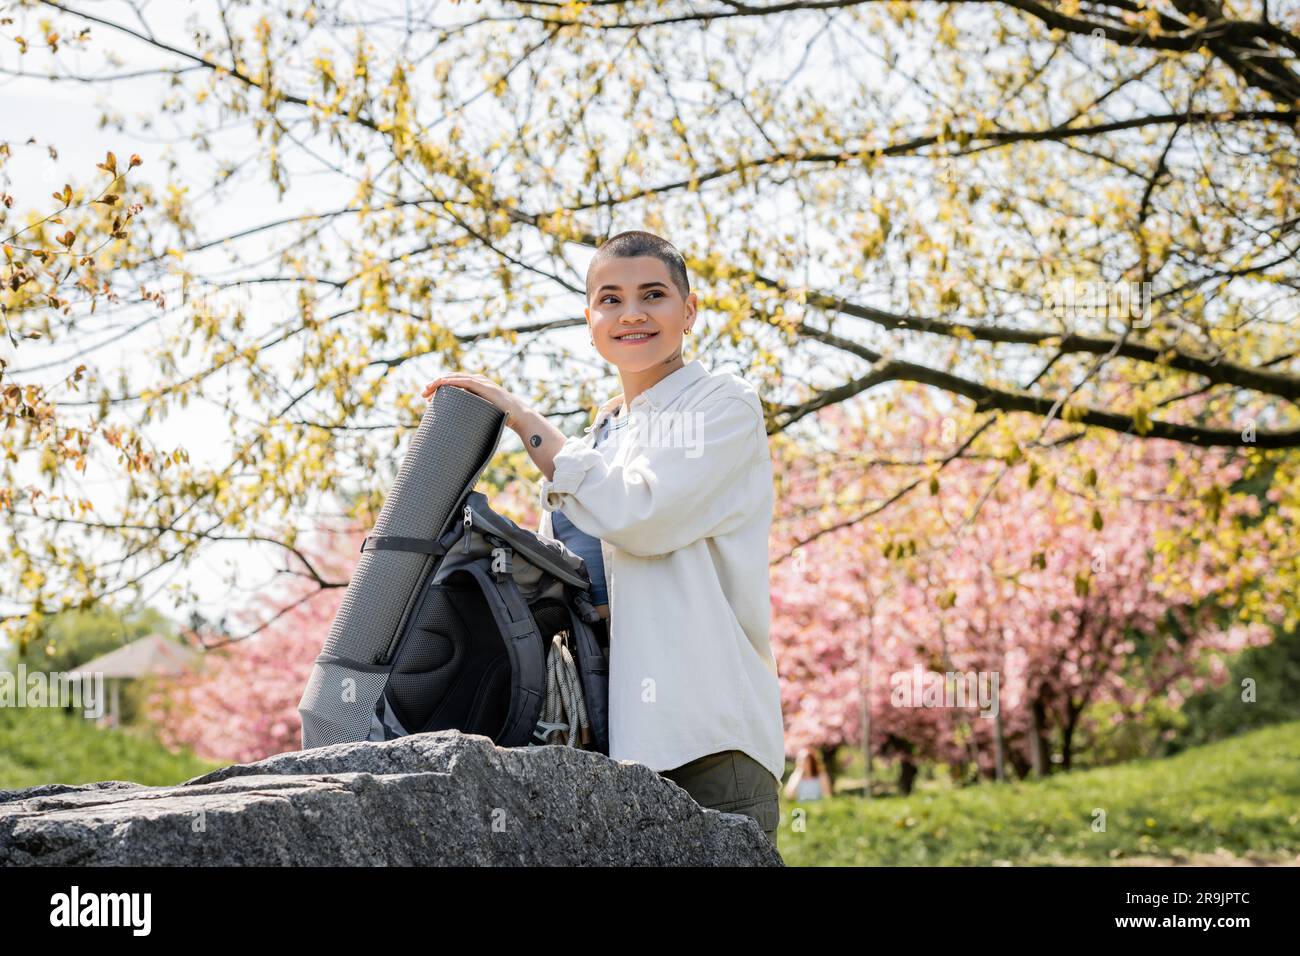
{"x":502,"y":535}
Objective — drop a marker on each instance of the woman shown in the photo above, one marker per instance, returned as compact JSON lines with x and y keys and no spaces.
{"x":670,"y":500}
{"x":809,"y":780}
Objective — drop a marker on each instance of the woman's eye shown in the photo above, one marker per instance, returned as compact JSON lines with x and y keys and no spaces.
{"x":652,"y":292}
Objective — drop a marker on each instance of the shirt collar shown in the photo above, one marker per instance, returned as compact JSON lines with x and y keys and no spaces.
{"x":660,"y":393}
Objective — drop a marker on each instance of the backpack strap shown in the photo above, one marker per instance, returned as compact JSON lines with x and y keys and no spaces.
{"x":523,"y":647}
{"x":586,"y":610}
{"x":593,"y":672}
{"x":384,"y":724}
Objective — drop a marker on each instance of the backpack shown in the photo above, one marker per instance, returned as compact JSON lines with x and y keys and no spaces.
{"x":455,"y":617}
{"x":502,"y":616}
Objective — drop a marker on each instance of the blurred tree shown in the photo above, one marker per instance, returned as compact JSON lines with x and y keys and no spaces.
{"x":1258,"y":692}
{"x":1077,"y":589}
{"x":71,"y":638}
{"x":67,"y":640}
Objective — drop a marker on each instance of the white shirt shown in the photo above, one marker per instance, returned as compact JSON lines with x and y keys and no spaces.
{"x":682,"y":502}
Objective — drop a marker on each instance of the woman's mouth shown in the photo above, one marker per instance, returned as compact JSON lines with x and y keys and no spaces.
{"x":636,"y":338}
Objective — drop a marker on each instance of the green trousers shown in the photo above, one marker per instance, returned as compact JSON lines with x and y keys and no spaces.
{"x":732,"y":782}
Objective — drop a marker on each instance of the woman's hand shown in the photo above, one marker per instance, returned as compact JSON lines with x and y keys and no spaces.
{"x":541,"y":439}
{"x":484,"y":388}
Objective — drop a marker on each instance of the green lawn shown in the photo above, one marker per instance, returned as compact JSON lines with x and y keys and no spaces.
{"x":1241,"y":795}
{"x":44,"y":745}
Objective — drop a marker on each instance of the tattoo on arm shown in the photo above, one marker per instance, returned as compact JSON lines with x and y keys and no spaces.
{"x":535,"y":440}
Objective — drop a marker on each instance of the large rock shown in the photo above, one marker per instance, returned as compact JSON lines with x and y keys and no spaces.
{"x":434,"y":799}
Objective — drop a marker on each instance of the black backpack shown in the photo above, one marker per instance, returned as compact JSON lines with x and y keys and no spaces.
{"x":473,"y":652}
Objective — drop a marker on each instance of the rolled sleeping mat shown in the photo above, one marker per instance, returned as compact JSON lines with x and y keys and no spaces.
{"x":454,"y":442}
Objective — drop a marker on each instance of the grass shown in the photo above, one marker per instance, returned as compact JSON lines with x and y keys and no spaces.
{"x":1239,"y":796}
{"x":44,"y":745}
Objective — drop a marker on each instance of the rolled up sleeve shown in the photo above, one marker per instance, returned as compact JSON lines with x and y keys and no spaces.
{"x":672,"y":487}
{"x":572,"y":462}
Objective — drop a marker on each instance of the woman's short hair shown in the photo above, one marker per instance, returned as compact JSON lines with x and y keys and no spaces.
{"x":634,"y":243}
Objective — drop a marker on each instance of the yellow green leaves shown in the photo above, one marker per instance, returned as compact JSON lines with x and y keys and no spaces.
{"x":1214,"y":499}
{"x":400,"y":122}
{"x":948,"y":32}
{"x":325,"y":73}
{"x":1141,"y":420}
{"x":561,"y":224}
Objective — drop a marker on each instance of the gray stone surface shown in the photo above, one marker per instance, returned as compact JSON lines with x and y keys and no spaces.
{"x":435,"y":799}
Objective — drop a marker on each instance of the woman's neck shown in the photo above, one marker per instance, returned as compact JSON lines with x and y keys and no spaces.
{"x":634,"y":383}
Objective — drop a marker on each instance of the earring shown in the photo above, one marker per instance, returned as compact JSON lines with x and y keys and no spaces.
{"x":688,"y":331}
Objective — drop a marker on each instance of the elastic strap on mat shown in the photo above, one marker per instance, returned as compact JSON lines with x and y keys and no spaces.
{"x":393,"y":542}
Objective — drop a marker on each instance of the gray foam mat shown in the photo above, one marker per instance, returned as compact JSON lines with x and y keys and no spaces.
{"x":454,"y":442}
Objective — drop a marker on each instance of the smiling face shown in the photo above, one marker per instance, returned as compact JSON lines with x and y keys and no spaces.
{"x":636,"y":297}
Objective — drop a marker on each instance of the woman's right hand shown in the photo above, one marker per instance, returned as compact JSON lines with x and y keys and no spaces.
{"x":482,"y":386}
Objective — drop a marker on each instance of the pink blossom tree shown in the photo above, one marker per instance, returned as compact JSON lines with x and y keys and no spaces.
{"x":243,"y":704}
{"x":1072,"y":573}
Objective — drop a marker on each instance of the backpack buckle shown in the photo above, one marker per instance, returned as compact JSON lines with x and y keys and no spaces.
{"x":586,"y":610}
{"x":545,"y":728}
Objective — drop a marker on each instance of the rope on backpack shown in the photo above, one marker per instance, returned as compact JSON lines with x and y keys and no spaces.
{"x":564,"y":710}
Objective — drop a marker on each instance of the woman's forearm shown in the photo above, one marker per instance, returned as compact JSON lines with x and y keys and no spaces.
{"x":541,"y":439}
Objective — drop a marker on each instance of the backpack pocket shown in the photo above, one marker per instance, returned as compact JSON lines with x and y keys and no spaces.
{"x":451,"y":670}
